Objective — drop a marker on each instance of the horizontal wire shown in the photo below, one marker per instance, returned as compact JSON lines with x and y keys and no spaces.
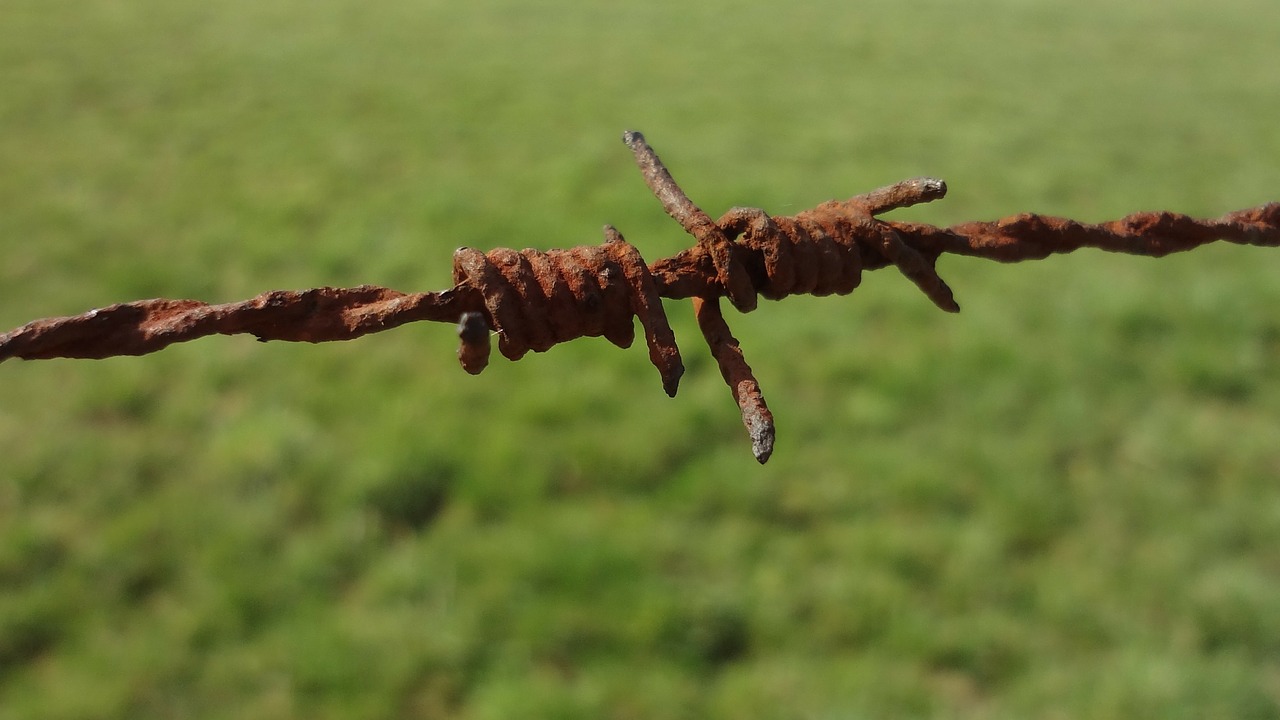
{"x":535,"y":299}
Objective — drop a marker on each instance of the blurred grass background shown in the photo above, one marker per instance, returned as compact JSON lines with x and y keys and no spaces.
{"x":1064,"y":502}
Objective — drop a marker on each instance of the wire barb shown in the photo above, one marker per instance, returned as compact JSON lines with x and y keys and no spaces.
{"x":737,"y":374}
{"x":536,"y":299}
{"x":711,"y":238}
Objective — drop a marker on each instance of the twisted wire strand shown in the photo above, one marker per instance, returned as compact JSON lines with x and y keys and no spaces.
{"x":536,"y":299}
{"x":323,"y":314}
{"x":1154,"y":234}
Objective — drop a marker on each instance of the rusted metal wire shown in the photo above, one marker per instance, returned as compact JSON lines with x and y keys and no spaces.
{"x":536,"y":299}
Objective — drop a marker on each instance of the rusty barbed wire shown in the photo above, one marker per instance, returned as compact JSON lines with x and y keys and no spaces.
{"x":536,"y":299}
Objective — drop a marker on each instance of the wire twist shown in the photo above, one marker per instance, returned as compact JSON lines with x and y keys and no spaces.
{"x":823,"y":251}
{"x":536,"y":300}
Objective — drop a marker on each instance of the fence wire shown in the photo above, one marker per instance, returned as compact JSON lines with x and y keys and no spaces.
{"x":534,"y":300}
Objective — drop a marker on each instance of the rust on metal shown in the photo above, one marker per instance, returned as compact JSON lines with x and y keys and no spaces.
{"x":737,"y":375}
{"x":710,"y":235}
{"x":534,"y":299}
{"x":474,"y":346}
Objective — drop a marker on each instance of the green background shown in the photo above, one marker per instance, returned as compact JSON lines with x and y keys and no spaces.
{"x":1063,"y":502}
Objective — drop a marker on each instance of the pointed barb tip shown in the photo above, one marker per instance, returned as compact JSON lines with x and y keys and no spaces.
{"x":761,"y":439}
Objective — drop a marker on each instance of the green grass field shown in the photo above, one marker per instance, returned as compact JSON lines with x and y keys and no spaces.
{"x":1062,"y":503}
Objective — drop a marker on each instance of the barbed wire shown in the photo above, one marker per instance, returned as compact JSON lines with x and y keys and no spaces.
{"x":536,"y":299}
